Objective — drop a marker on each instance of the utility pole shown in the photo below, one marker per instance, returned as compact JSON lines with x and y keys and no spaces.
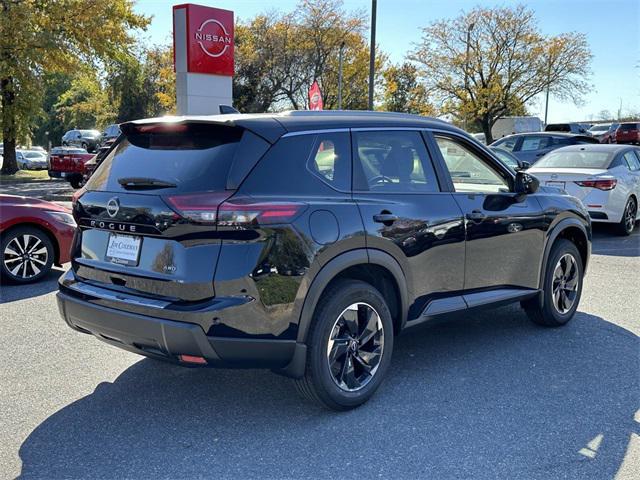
{"x":372,"y":51}
{"x":340,"y":55}
{"x":466,"y":70}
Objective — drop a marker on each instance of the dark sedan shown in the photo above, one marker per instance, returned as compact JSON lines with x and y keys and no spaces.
{"x":530,"y":147}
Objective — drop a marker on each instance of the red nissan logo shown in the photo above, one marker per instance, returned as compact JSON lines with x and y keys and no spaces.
{"x":213,"y":38}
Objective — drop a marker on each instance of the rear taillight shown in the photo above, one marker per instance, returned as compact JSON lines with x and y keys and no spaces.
{"x":239,"y":212}
{"x":199,"y":208}
{"x":604,"y":184}
{"x":212,"y":208}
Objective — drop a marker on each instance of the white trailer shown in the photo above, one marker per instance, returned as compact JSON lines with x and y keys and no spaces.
{"x":509,"y":125}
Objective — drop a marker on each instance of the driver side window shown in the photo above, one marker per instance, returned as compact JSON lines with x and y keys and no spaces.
{"x":395,"y":161}
{"x":469,"y":172}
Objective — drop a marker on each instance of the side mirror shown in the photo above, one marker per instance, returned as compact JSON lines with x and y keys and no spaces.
{"x":522,"y":165}
{"x":526,"y":183}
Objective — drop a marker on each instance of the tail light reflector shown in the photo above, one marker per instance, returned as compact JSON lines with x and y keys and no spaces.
{"x":604,"y":184}
{"x":192,"y":359}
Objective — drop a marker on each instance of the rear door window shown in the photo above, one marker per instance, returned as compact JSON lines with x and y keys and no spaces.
{"x":193,"y":157}
{"x":534,"y":143}
{"x":394,"y":161}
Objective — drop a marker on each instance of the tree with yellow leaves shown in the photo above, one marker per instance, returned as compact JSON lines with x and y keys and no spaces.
{"x":44,"y":36}
{"x":491,"y":61}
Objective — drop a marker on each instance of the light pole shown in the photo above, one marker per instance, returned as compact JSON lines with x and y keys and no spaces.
{"x":466,"y":69}
{"x":372,"y":51}
{"x":546,"y":102}
{"x":340,"y":55}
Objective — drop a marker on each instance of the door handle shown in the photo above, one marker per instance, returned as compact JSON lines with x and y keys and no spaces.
{"x":386,"y":218}
{"x":476,"y":215}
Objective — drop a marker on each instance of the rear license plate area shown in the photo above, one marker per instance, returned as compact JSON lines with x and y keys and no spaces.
{"x":123,"y":249}
{"x":556,"y":184}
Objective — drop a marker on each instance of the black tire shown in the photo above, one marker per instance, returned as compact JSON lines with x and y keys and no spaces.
{"x":76,"y":182}
{"x":628,"y":221}
{"x":85,"y":146}
{"x":37,"y":265}
{"x":319,"y":384}
{"x":545,"y":310}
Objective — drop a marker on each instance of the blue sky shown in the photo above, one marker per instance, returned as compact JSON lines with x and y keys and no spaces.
{"x":612,"y":28}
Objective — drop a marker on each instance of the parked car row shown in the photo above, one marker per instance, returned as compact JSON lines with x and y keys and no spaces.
{"x":91,"y":139}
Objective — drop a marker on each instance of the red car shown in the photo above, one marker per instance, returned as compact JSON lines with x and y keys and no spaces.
{"x":34,"y":235}
{"x":628,"y":132}
{"x":69,"y":163}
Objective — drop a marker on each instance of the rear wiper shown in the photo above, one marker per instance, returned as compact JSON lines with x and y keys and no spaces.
{"x":144,"y":182}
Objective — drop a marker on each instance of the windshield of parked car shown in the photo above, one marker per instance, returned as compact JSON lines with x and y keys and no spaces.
{"x":599,"y":128}
{"x":89,"y":133}
{"x":33,"y":154}
{"x":575,"y":159}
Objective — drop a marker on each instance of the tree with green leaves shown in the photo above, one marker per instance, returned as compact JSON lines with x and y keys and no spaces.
{"x":491,"y":61}
{"x":47,"y":36}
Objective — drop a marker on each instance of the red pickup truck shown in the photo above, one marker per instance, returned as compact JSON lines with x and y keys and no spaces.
{"x":69,"y":163}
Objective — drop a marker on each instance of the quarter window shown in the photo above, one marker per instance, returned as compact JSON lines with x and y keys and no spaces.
{"x":469,"y":172}
{"x":395,"y":161}
{"x":330,"y":159}
{"x":631,"y":161}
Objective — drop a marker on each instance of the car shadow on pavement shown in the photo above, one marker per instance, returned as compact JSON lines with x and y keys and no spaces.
{"x":607,"y":242}
{"x":49,"y":283}
{"x":487,"y":395}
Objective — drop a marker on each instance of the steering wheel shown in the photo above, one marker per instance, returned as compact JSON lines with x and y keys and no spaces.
{"x":380,"y":178}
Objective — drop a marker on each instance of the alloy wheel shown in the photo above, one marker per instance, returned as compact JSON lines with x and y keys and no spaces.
{"x":25,"y":256}
{"x":355,"y":346}
{"x":630,"y":215}
{"x":565,"y":283}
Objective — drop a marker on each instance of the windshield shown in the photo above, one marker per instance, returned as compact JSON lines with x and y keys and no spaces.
{"x":89,"y":133}
{"x":575,"y":159}
{"x":33,"y":155}
{"x":599,"y":128}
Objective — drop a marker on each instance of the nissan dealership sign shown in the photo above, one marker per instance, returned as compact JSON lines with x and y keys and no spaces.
{"x":203,"y":57}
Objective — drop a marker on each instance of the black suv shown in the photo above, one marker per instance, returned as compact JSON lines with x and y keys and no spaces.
{"x":305,"y":242}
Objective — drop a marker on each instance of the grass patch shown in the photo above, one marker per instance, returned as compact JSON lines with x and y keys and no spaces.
{"x":25,"y":176}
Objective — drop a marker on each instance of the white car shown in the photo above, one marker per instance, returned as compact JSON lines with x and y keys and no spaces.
{"x":606,"y":178}
{"x":31,"y":160}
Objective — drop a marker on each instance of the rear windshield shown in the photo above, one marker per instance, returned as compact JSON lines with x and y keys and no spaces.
{"x":576,"y":159}
{"x":193,"y":157}
{"x":558,"y":127}
{"x":629,"y":126}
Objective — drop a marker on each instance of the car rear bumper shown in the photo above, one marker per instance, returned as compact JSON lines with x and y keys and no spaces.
{"x":59,"y":174}
{"x":169,"y":339}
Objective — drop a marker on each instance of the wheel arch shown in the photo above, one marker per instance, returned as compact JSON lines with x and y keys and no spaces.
{"x":37,"y":226}
{"x":573,"y":230}
{"x":375,"y":267}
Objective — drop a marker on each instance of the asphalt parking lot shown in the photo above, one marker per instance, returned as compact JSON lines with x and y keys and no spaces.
{"x":487,"y":395}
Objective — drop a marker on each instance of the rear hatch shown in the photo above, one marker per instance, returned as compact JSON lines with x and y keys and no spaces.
{"x":132,"y":237}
